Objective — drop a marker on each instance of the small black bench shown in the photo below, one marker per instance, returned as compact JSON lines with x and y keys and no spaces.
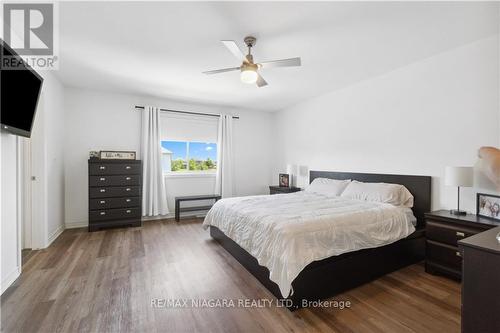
{"x":179,"y":209}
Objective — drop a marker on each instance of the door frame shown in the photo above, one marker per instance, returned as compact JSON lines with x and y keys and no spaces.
{"x":27,"y":195}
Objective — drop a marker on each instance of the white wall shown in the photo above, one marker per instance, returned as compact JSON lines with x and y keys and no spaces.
{"x":48,"y":190}
{"x":10,"y":242}
{"x":54,"y":121}
{"x":10,"y":245}
{"x":47,"y":163}
{"x":102,"y":120}
{"x":414,"y":120}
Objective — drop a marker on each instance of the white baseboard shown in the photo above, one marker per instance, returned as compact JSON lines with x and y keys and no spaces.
{"x":159,"y":217}
{"x":55,"y":234}
{"x":73,"y":225}
{"x":172,"y":215}
{"x":10,"y":278}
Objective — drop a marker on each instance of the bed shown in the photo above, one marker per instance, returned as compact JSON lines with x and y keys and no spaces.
{"x":360,"y":252}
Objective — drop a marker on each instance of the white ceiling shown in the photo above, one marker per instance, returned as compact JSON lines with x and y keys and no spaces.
{"x":160,"y":48}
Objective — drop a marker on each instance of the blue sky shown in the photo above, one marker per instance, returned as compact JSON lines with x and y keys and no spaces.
{"x":197,"y":150}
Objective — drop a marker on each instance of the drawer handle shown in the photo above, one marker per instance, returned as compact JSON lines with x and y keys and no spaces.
{"x":102,"y":179}
{"x":102,"y":167}
{"x":128,"y":178}
{"x":103,"y":213}
{"x":127,"y":189}
{"x":460,"y":234}
{"x":458,"y":254}
{"x":128,"y":200}
{"x":102,"y":190}
{"x":129,"y":211}
{"x":102,"y":202}
{"x":128,"y":167}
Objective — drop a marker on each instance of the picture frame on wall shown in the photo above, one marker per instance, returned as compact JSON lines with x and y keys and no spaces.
{"x":488,"y":205}
{"x":284,"y":180}
{"x":116,"y":155}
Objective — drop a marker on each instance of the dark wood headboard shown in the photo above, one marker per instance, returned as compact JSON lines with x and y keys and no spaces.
{"x":419,"y":187}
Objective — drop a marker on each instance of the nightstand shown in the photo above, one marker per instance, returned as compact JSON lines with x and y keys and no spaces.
{"x":282,"y":189}
{"x":443,"y":231}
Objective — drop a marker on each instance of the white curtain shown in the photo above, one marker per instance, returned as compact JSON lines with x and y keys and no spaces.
{"x":154,"y":197}
{"x":224,"y":182}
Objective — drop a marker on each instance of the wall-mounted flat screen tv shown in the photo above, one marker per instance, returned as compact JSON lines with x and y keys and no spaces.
{"x":20,"y":88}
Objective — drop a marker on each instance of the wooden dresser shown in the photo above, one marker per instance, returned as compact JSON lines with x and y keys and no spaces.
{"x":443,"y":231}
{"x":114,"y":193}
{"x":481,"y":282}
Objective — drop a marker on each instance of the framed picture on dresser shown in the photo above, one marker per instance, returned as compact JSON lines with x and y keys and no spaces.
{"x":284,"y":180}
{"x":488,"y":205}
{"x":117,"y":155}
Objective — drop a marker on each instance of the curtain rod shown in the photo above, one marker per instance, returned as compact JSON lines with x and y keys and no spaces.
{"x":187,"y":112}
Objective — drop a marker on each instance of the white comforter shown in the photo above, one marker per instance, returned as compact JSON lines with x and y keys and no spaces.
{"x":286,"y":232}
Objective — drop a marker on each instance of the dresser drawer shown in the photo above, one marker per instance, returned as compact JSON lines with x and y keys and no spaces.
{"x":105,"y":203}
{"x":446,"y":233}
{"x":114,"y":214}
{"x":107,"y":192}
{"x":445,"y":255}
{"x":114,"y":168}
{"x":114,"y":180}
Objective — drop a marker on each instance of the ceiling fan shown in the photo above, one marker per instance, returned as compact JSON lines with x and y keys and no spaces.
{"x":249,"y":69}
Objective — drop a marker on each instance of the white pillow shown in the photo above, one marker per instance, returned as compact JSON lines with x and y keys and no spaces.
{"x":328,"y":187}
{"x":393,"y":194}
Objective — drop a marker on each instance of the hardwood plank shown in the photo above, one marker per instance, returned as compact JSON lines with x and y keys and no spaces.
{"x":37,"y":316}
{"x":105,"y":281}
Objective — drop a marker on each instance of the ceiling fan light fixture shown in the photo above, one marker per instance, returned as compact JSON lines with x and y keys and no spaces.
{"x":249,"y":73}
{"x":248,"y":76}
{"x":249,"y":70}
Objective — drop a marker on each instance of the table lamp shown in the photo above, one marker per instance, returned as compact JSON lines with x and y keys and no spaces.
{"x":291,"y":169}
{"x":459,"y":177}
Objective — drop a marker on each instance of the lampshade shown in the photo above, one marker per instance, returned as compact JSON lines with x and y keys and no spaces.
{"x":303,"y":176}
{"x":303,"y":171}
{"x":458,"y":176}
{"x":291,"y":169}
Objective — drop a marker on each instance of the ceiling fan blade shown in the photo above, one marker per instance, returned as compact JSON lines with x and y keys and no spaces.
{"x":234,"y":49}
{"x":217,"y":71}
{"x":281,"y":63}
{"x":260,"y":81}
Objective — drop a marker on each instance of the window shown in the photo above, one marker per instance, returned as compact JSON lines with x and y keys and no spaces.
{"x":189,"y":156}
{"x":189,"y":144}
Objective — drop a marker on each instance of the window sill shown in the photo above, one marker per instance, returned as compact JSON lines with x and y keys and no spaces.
{"x":189,"y":175}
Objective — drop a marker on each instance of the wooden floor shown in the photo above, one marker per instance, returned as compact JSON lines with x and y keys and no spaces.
{"x":105,"y":281}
